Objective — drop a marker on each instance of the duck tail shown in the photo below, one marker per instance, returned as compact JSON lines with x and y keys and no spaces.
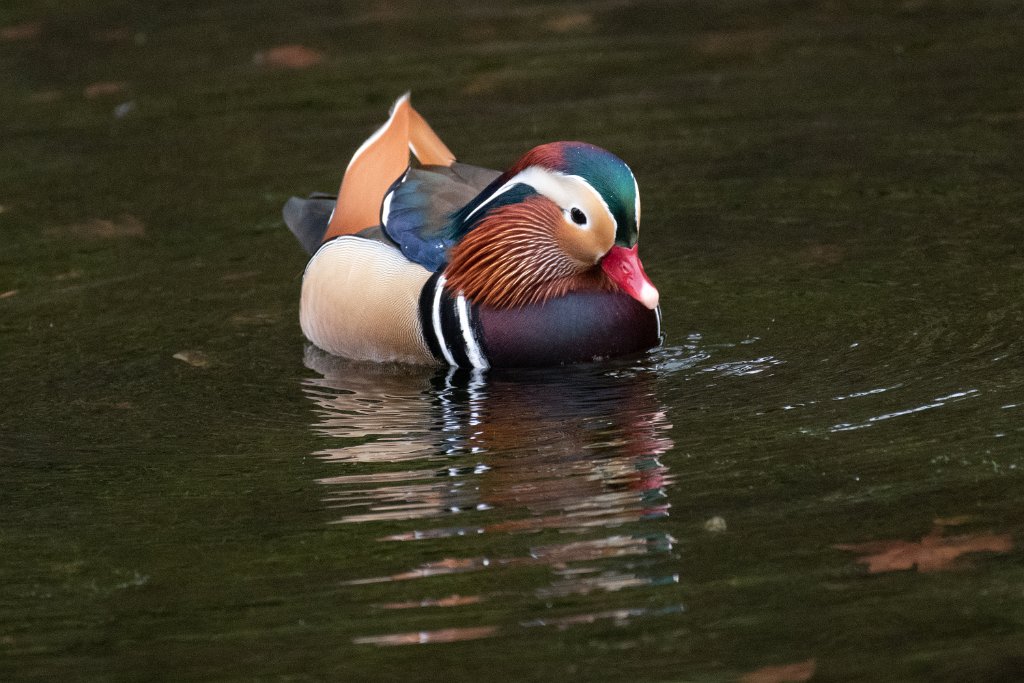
{"x":308,"y":218}
{"x":378,"y":162}
{"x":424,"y":143}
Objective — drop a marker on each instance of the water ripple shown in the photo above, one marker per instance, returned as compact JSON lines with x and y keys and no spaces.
{"x":931,"y":405}
{"x":453,"y":458}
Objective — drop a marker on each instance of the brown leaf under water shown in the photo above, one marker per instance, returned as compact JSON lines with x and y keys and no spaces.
{"x":569,"y":22}
{"x":934,"y":552}
{"x":103,"y":88}
{"x":289,"y":57}
{"x":125,"y":226}
{"x":783,"y":673}
{"x":25,"y":31}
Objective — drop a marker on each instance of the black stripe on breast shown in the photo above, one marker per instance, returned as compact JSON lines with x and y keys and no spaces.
{"x":427,"y":317}
{"x":452,"y":330}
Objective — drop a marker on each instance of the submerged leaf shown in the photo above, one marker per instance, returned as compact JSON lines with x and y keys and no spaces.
{"x":782,"y":673}
{"x":569,"y":22}
{"x":934,"y":552}
{"x":25,"y":31}
{"x":102,"y":88}
{"x":289,"y":57}
{"x":125,"y":226}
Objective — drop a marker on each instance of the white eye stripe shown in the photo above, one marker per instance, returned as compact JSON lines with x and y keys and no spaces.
{"x":579,"y":182}
{"x":558,"y":187}
{"x":636,"y":201}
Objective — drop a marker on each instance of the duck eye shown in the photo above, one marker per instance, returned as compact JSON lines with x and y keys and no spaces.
{"x":578,"y":217}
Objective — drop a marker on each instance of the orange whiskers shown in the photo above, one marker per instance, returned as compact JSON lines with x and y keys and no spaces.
{"x":512,"y":259}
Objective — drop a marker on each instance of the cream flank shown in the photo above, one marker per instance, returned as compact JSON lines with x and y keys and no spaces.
{"x":360,"y":299}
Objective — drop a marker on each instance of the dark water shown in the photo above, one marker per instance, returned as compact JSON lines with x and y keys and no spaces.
{"x":822,"y":469}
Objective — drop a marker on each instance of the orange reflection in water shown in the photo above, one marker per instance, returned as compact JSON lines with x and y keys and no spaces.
{"x":573,"y":450}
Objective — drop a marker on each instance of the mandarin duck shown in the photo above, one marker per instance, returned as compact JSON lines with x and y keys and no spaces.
{"x":447,"y":263}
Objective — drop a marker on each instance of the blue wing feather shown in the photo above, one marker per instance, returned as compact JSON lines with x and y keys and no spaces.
{"x":417,"y":212}
{"x":425,"y":212}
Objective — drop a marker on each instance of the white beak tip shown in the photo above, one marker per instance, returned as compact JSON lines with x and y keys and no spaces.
{"x":649,"y":296}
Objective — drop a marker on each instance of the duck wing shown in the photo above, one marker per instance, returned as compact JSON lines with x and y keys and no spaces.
{"x":417,"y":210}
{"x":415,"y":215}
{"x":412,"y":204}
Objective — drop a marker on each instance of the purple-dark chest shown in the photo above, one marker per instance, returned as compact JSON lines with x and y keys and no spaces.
{"x":577,"y":327}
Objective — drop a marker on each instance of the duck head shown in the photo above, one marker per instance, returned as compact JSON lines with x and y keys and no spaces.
{"x":565,"y":217}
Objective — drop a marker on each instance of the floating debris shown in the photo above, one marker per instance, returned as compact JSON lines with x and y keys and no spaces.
{"x":196,"y":359}
{"x":715,"y":525}
{"x":122,"y":110}
{"x":444,"y":635}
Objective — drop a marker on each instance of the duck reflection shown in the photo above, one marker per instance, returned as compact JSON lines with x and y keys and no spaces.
{"x":569,"y":450}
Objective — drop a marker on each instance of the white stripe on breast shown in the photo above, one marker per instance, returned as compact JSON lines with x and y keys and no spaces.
{"x":476,"y":356}
{"x":435,"y":319}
